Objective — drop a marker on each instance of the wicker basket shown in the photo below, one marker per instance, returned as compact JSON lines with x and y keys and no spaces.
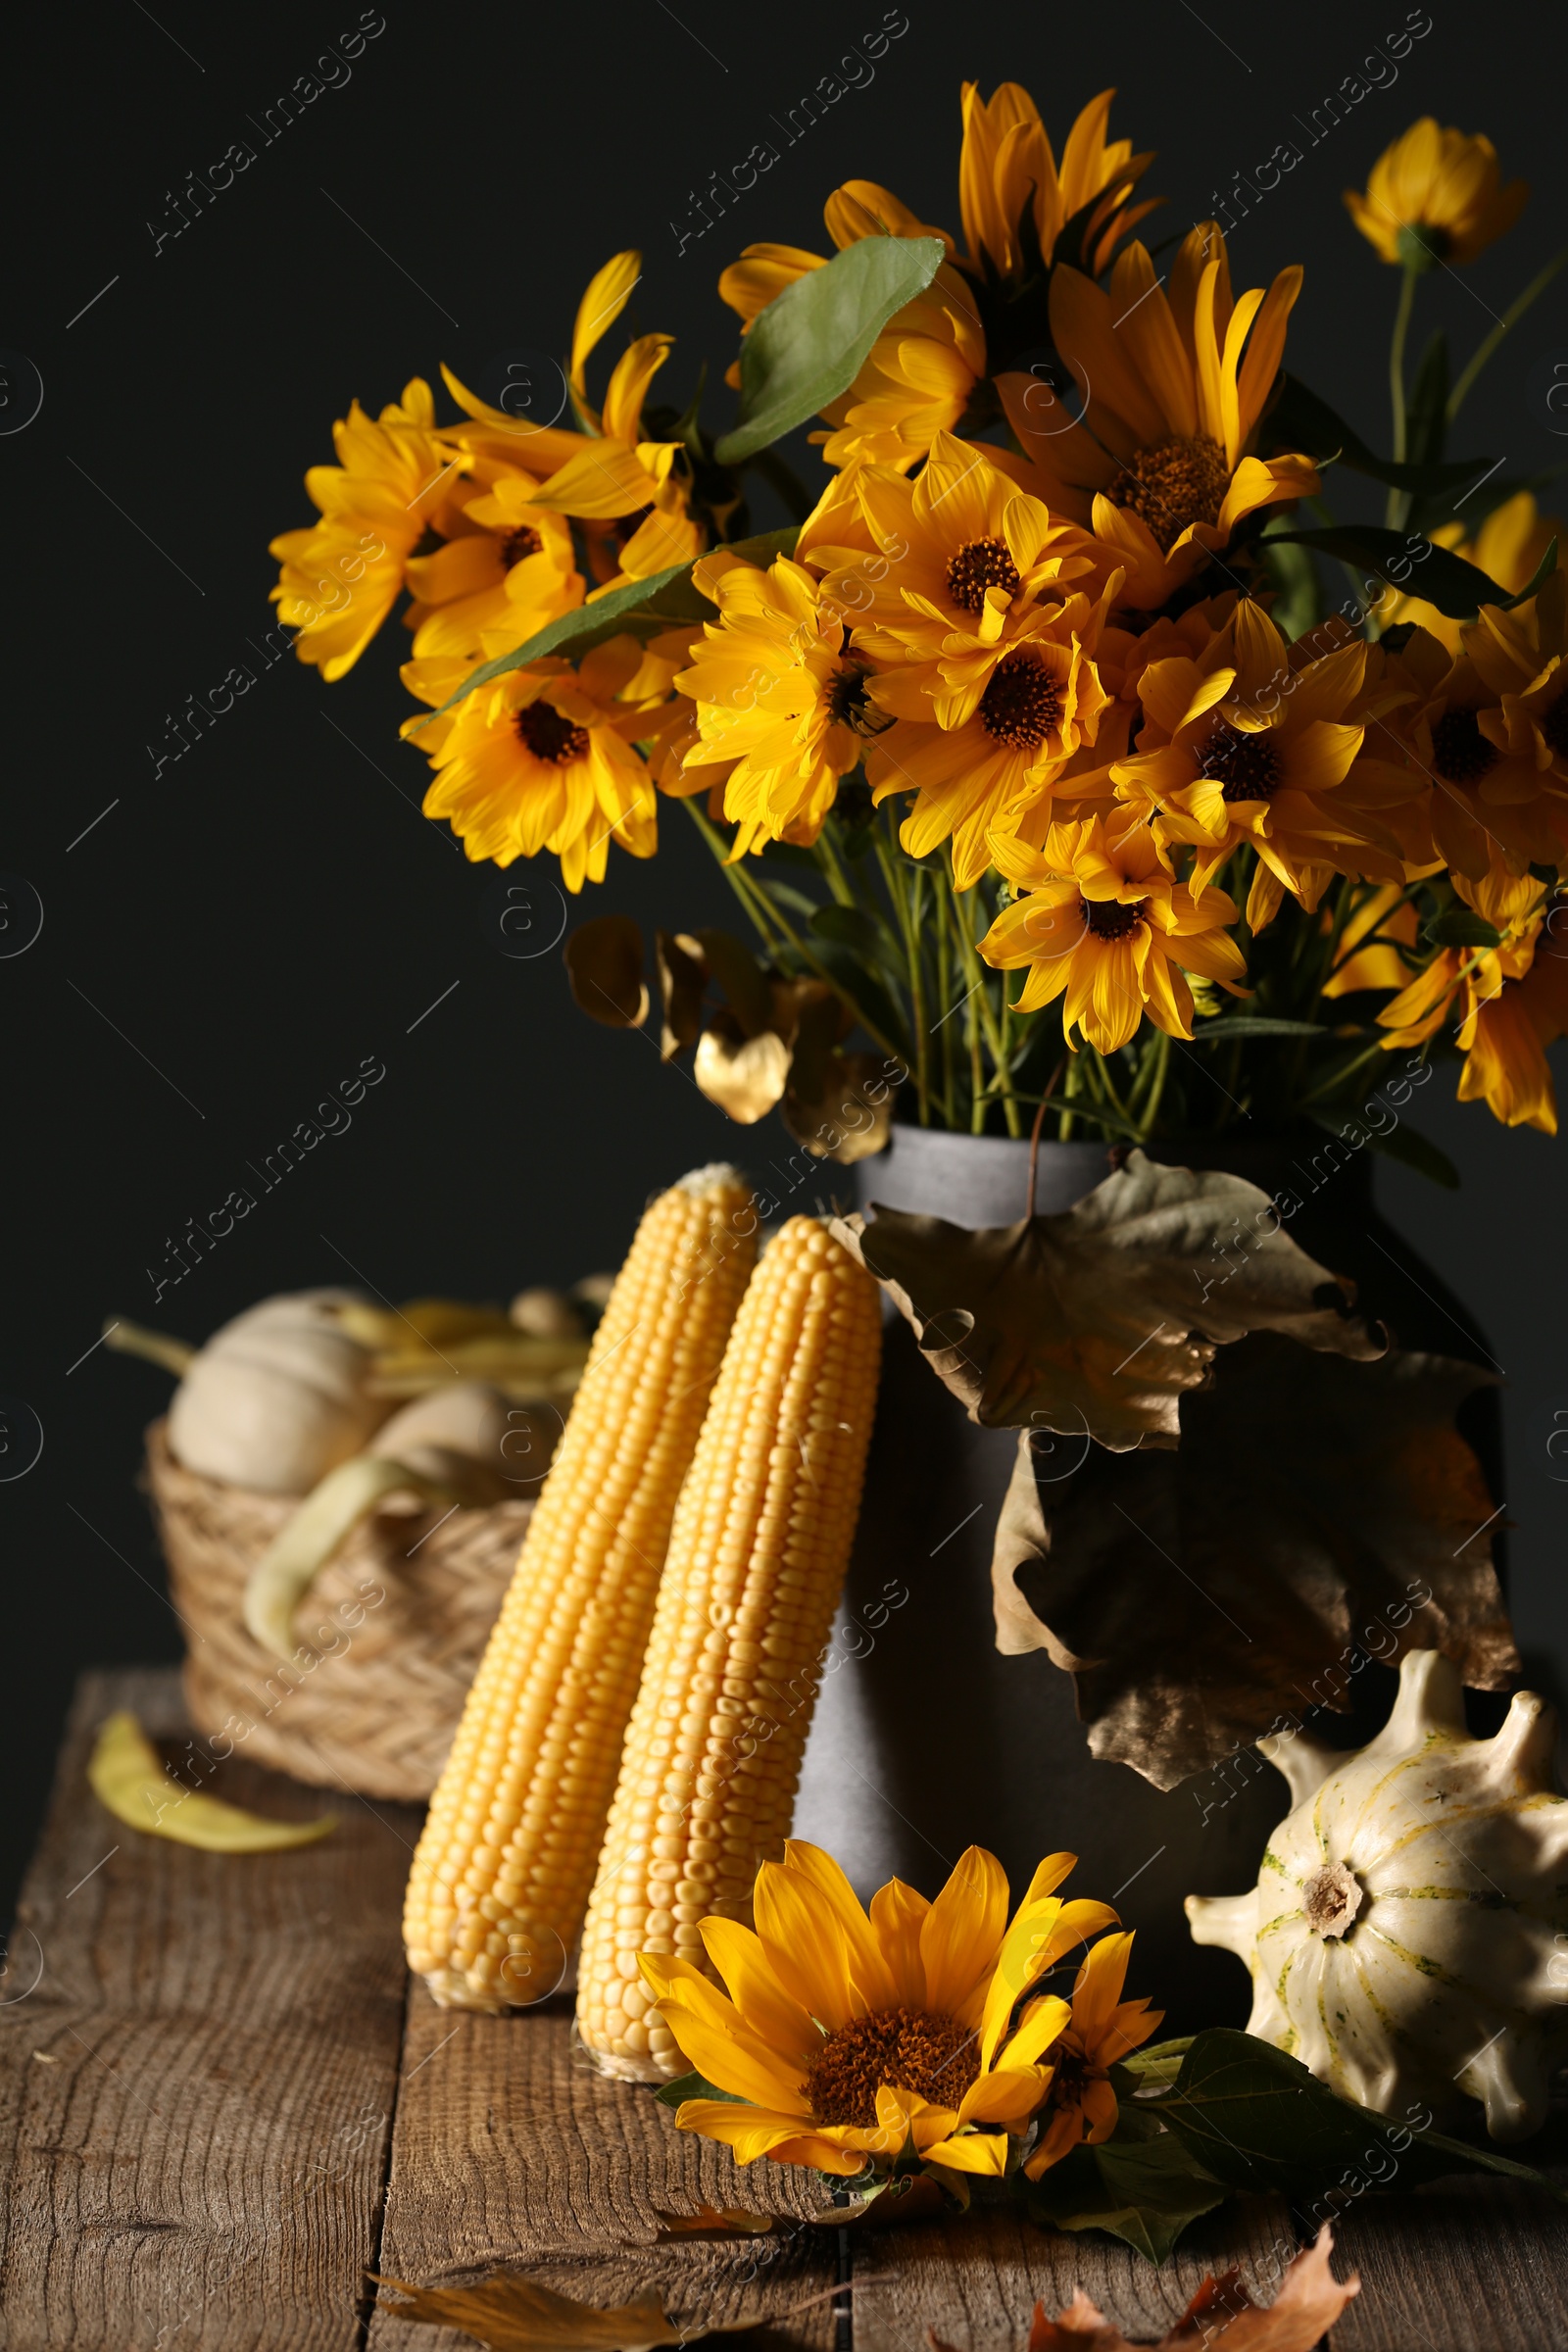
{"x":395,"y":1625}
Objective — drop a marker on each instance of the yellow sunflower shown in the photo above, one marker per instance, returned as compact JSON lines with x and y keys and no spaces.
{"x":543,"y":757}
{"x":845,"y":2039}
{"x":1434,"y":196}
{"x":507,"y":572}
{"x":1034,"y":699}
{"x":1261,"y":749}
{"x":634,"y":493}
{"x":1102,"y":922}
{"x":925,"y":368}
{"x":1508,"y":548}
{"x":1512,"y":1001}
{"x":1173,"y":379}
{"x":781,"y":699}
{"x":393,"y":483}
{"x":1081,"y":2105}
{"x":1489,"y":729}
{"x":946,"y":564}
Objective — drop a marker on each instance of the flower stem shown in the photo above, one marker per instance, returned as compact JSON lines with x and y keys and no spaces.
{"x":1398,"y":504}
{"x":1511,"y":318}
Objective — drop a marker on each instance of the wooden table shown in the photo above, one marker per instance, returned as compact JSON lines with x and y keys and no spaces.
{"x":223,"y":2103}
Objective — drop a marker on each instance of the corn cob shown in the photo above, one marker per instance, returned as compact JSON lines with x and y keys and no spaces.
{"x":757,"y":1559}
{"x":503,"y":1870}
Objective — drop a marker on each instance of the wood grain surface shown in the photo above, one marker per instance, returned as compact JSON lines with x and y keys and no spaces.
{"x":198,"y":2091}
{"x":222,"y":2105}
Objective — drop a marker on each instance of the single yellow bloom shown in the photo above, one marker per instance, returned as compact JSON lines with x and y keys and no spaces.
{"x":394,"y":483}
{"x":1101,"y":923}
{"x":1512,"y":1000}
{"x":844,"y":2039}
{"x":543,"y":757}
{"x":1151,"y":446}
{"x":1434,"y":196}
{"x":781,"y":700}
{"x":508,"y":570}
{"x":1081,"y":2109}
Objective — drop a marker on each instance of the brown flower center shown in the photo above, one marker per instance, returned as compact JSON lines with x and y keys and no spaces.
{"x":1554,"y":726}
{"x":523,"y":541}
{"x":1172,"y":483}
{"x":1112,"y":918}
{"x":1247,"y":766}
{"x":549,"y":736}
{"x":1022,"y":702}
{"x":919,"y":2050}
{"x":979,"y":564}
{"x":1460,"y":752}
{"x":847,"y":705}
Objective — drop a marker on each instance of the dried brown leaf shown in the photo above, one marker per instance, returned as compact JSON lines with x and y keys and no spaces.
{"x":1220,"y":2318}
{"x":1195,"y":1595}
{"x":1097,"y":1322}
{"x":511,"y":2314}
{"x":745,"y":1076}
{"x":839,"y":1105}
{"x":733,"y":968}
{"x":682,"y":979}
{"x":604,"y":960}
{"x":714,"y":2221}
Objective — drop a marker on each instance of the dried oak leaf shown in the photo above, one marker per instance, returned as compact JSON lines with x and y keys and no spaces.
{"x":511,"y":2314}
{"x":839,"y":1105}
{"x":1220,"y":2318}
{"x":1094,"y":1323}
{"x":682,"y":979}
{"x":1312,"y":1505}
{"x":604,"y":960}
{"x":714,"y":2221}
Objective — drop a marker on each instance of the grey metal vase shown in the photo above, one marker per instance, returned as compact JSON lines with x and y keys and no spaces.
{"x":925,"y":1739}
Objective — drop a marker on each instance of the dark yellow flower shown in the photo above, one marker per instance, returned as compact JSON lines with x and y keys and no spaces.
{"x":1434,"y":196}
{"x":1505,"y":1005}
{"x":1172,"y":381}
{"x":844,"y":2038}
{"x":508,"y":571}
{"x":392,"y":485}
{"x":1507,"y":547}
{"x":1101,"y":923}
{"x":1081,"y":2107}
{"x":543,"y":757}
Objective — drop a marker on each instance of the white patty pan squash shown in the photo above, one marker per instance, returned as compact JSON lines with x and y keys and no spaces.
{"x":1408,"y":1933}
{"x":276,"y":1397}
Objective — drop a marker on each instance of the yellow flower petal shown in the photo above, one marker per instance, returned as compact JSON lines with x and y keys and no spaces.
{"x":963,"y":1933}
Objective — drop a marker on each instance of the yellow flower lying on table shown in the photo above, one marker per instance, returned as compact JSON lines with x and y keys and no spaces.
{"x":854,"y":2044}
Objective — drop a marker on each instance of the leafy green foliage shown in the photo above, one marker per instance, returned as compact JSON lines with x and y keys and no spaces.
{"x":1144,"y":2192}
{"x":1417,"y":567}
{"x":1300,"y":421}
{"x":811,"y":341}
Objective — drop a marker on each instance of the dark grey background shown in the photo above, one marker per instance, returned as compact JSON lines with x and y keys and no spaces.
{"x":232,"y":937}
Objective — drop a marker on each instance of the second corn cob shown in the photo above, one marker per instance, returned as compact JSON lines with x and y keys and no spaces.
{"x":757,"y":1559}
{"x":505,"y":1861}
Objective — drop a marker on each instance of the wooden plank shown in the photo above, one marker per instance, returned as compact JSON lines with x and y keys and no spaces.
{"x":511,"y":2152}
{"x":196,"y":2098}
{"x":1462,"y":2268}
{"x":975,"y":2281}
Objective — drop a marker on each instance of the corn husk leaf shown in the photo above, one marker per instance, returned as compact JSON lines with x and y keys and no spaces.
{"x":604,"y":958}
{"x":1098,"y":1322}
{"x":1194,"y":1596}
{"x":127,"y":1776}
{"x":511,"y":2314}
{"x":1221,"y":2314}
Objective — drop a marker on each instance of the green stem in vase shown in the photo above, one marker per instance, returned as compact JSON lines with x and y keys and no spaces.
{"x":1399,"y":502}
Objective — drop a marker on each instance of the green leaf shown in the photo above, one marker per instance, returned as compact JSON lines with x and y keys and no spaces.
{"x":811,"y":341}
{"x":694,"y":2086}
{"x":1295,"y":607}
{"x":641,"y":606}
{"x":1427,"y":409}
{"x":1438,"y":576}
{"x":1252,"y":1024}
{"x":850,"y":925}
{"x":1300,"y":421}
{"x":1462,"y":927}
{"x":1255,"y":2119}
{"x":1144,"y":2192}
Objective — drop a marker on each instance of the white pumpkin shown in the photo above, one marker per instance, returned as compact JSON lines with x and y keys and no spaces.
{"x":1408,"y":1933}
{"x":276,"y":1397}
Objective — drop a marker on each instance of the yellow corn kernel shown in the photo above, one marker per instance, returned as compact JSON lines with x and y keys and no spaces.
{"x":502,"y":1876}
{"x":756,"y":1560}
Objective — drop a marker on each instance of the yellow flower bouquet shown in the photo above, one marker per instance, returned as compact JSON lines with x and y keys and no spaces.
{"x":1051,"y":773}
